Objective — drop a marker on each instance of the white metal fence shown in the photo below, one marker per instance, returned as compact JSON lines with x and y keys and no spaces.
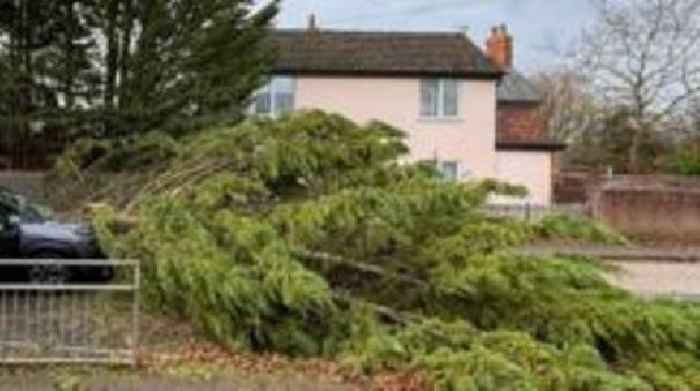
{"x":83,"y":321}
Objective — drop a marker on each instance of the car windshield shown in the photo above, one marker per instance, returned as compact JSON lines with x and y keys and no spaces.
{"x":26,"y":210}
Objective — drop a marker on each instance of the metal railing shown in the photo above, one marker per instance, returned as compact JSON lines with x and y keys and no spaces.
{"x":84,"y":320}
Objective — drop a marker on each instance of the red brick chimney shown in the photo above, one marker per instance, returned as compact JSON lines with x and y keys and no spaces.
{"x":499,"y":47}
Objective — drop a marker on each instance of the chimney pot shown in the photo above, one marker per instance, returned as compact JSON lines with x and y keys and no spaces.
{"x":312,"y":22}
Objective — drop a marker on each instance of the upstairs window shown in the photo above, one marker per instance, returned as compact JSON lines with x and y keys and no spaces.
{"x":275,"y":98}
{"x":439,"y":98}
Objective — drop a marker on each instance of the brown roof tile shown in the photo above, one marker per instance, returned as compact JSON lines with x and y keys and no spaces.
{"x":516,"y":88}
{"x":385,"y":53}
{"x":401,"y":54}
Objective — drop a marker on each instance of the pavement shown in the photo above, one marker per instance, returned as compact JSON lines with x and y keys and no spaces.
{"x":658,"y":278}
{"x":257,"y":383}
{"x":646,"y":271}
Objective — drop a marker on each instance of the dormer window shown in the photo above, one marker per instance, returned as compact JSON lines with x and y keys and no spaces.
{"x":439,"y":98}
{"x":275,"y":98}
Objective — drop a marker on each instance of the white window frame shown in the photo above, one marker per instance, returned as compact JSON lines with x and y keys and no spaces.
{"x":270,"y":88}
{"x":441,"y":165}
{"x":442,"y":97}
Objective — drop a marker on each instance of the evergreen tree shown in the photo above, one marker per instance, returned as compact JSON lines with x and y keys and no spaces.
{"x":47,"y":71}
{"x":111,"y":68}
{"x":170,"y":64}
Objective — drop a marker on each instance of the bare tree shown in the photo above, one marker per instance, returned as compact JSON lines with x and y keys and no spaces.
{"x":568,"y":108}
{"x":694,"y":117}
{"x":645,"y":55}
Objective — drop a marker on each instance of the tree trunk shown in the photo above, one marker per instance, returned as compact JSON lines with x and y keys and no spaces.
{"x":633,"y":165}
{"x":112,"y":55}
{"x":25,"y":91}
{"x":127,"y":31}
{"x":70,"y":72}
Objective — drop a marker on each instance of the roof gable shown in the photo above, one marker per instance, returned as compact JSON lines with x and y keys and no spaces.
{"x":406,"y":54}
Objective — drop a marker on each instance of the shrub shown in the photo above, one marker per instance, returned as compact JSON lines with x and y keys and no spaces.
{"x":686,"y":161}
{"x":577,"y":228}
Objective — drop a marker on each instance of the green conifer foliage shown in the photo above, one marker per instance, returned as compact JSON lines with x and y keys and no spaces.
{"x":118,"y":68}
{"x":304,"y":236}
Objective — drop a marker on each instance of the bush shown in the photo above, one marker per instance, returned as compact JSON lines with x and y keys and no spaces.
{"x":577,"y":228}
{"x":686,"y":161}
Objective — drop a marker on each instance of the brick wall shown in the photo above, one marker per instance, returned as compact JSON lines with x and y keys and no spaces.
{"x":658,"y":213}
{"x":519,"y":122}
{"x":575,"y":187}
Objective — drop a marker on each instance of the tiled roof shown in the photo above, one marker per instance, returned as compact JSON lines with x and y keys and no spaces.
{"x":514,"y":87}
{"x":544,"y":144}
{"x":402,"y":54}
{"x":386,"y":53}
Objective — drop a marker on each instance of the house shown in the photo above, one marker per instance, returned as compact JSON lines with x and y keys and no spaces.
{"x":463,"y":107}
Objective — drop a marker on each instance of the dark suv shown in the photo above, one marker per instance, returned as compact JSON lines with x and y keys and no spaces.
{"x":29,"y":230}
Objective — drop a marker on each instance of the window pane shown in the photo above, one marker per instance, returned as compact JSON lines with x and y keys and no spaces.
{"x":263,"y":103}
{"x":450,"y":96}
{"x":450,"y":170}
{"x":283,"y":94}
{"x":283,"y":84}
{"x":429,"y":98}
{"x":284,"y":102}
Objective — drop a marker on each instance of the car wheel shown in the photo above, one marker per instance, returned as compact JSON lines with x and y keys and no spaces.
{"x":49,"y":274}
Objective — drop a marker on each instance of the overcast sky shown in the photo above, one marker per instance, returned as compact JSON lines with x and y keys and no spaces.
{"x":536,"y":24}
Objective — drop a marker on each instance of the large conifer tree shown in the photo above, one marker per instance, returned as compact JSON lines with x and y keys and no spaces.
{"x":170,"y":64}
{"x":45,"y":51}
{"x":121,"y":67}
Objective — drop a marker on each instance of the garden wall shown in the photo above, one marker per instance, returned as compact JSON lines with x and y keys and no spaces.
{"x":578,"y":187}
{"x":654,"y":210}
{"x":572,"y":187}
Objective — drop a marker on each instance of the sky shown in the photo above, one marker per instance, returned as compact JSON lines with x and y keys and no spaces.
{"x":538,"y":26}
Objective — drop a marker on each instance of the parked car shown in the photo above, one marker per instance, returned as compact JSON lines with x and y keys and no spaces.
{"x":29,"y":231}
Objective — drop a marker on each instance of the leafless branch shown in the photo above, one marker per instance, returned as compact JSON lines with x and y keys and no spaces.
{"x":645,"y":55}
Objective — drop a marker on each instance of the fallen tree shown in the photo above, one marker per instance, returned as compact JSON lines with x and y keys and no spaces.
{"x":304,"y":236}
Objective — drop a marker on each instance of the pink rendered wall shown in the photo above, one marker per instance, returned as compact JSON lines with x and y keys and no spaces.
{"x":530,"y":169}
{"x":469,"y":139}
